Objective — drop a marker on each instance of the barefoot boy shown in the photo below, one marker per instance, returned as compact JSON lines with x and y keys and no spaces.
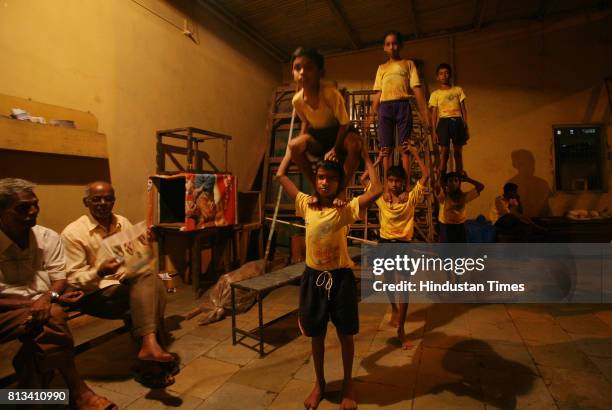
{"x":449,"y":117}
{"x":396,"y":216}
{"x":328,"y":289}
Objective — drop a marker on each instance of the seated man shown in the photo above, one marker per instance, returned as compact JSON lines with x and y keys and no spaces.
{"x":507,"y":216}
{"x":506,"y":204}
{"x":32,"y":283}
{"x":142,"y":295}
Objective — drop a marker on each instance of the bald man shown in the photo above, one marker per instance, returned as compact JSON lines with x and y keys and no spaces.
{"x":143,"y":296}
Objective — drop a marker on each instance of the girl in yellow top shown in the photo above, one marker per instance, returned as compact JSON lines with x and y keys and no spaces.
{"x":395,"y":81}
{"x":326,"y":127}
{"x":328,"y":288}
{"x":396,"y":216}
{"x":449,"y":118}
{"x":452,"y":200}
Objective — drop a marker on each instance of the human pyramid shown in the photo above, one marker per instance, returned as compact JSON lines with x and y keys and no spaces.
{"x":328,"y":289}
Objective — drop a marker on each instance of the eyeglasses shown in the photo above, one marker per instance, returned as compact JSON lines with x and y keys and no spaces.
{"x":99,"y":199}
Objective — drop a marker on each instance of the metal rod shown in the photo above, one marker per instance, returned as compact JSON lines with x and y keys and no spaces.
{"x":278,"y":197}
{"x":303,"y":227}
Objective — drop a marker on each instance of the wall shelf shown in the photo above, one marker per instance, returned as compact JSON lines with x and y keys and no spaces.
{"x":26,"y":136}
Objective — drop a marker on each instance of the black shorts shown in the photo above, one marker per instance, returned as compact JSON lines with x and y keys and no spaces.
{"x":318,"y":306}
{"x":326,"y":137}
{"x":451,"y":129}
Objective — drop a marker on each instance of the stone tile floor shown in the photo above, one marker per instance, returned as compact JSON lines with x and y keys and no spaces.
{"x":465,"y":357}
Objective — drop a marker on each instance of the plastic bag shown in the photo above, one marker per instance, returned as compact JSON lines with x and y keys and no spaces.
{"x":218,"y":299}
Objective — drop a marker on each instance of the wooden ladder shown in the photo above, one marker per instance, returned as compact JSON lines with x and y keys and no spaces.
{"x":359,"y":107}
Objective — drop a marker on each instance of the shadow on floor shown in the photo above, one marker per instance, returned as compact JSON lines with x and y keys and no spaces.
{"x":458,"y":370}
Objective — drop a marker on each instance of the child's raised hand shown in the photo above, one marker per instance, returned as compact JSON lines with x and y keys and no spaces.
{"x":379,"y":158}
{"x":331,"y":155}
{"x":408,"y":147}
{"x":339,"y":203}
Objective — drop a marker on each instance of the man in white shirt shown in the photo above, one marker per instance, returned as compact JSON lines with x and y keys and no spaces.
{"x":142,"y":295}
{"x":32,"y":283}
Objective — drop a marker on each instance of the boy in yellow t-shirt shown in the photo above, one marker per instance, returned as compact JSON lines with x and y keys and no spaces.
{"x":395,"y":80}
{"x":452,"y":201}
{"x":449,"y":118}
{"x":326,"y":129}
{"x":396,"y":217}
{"x":328,"y":289}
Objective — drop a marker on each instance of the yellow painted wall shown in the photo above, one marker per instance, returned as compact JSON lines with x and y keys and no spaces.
{"x":519,"y":80}
{"x":136,"y":73}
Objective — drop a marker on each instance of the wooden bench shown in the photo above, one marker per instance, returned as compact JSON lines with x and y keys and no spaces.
{"x":86,"y":344}
{"x":261,"y":285}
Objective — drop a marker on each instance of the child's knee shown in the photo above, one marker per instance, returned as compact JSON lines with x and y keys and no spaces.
{"x":352,"y":143}
{"x":298,"y":145}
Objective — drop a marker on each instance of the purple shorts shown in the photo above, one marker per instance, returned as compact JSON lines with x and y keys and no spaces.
{"x":393,"y":114}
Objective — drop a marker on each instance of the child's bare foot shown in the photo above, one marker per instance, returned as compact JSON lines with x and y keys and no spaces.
{"x":315,"y":396}
{"x":394,"y":319}
{"x":348,"y":397}
{"x":406,"y":344}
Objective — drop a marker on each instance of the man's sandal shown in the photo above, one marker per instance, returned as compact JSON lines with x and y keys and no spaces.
{"x":155,"y":380}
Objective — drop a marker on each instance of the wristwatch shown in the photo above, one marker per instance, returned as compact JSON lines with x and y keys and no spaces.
{"x":54,"y":296}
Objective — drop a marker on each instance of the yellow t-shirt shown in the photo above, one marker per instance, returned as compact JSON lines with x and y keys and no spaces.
{"x":395,"y":79}
{"x":453,"y":212}
{"x":448,"y":102}
{"x":330,"y":112}
{"x":397,"y":220}
{"x":326,"y":231}
{"x":499,"y":209}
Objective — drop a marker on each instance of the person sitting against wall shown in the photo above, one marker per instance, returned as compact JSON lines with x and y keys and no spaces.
{"x":142,"y":296}
{"x":506,"y":215}
{"x":32,"y":284}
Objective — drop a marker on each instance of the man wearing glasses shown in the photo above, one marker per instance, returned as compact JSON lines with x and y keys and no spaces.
{"x":142,"y":295}
{"x":32,"y":284}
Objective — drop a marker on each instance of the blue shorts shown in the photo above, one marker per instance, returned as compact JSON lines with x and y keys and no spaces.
{"x":392,"y":114}
{"x":452,"y":233}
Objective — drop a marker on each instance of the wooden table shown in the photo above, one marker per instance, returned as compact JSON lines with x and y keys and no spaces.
{"x":211,"y":238}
